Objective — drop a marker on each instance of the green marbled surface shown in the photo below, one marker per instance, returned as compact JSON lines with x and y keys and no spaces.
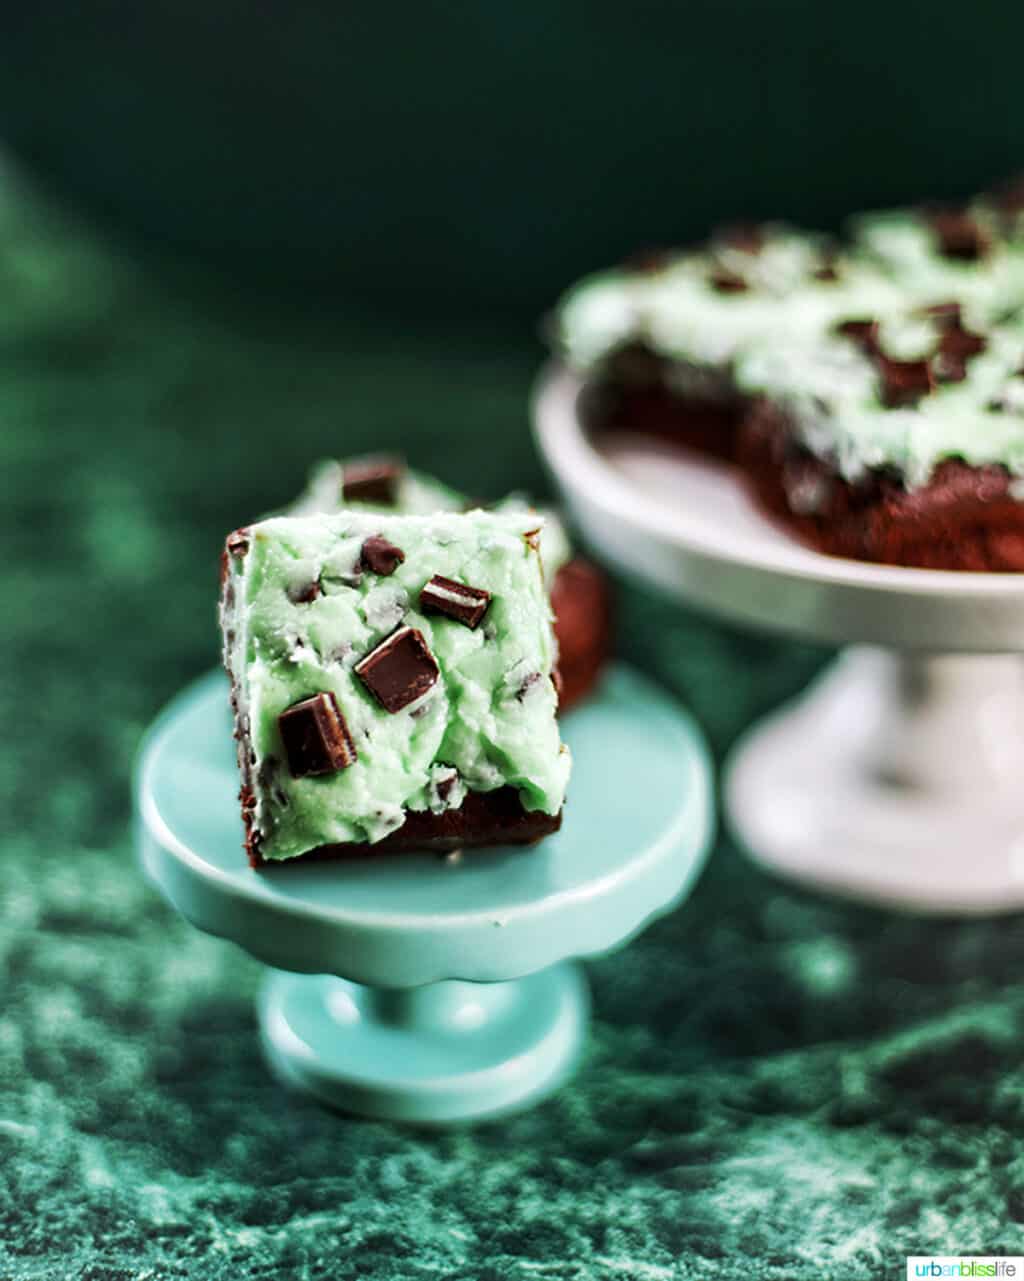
{"x":777,"y":1087}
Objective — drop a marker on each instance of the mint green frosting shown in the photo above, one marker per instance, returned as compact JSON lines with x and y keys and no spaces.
{"x":776,"y":337}
{"x":421,"y":495}
{"x":676,"y":311}
{"x":903,"y":246}
{"x":486,"y":718}
{"x":830,"y":391}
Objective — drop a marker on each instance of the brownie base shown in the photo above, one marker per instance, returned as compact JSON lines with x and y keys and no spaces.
{"x":484,"y":818}
{"x":638,"y":391}
{"x":966,"y":518}
{"x":582,"y":605}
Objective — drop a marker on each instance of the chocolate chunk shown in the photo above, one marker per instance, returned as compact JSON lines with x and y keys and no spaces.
{"x":747,"y":237}
{"x":237,"y":543}
{"x":315,"y":736}
{"x":956,"y":346}
{"x":827,"y":273}
{"x":380,"y":557}
{"x":455,"y":600}
{"x":903,"y":382}
{"x":400,"y":669}
{"x":724,"y":281}
{"x":532,"y":537}
{"x":961,"y":342}
{"x":958,"y":235}
{"x":373,"y":481}
{"x":946,"y":315}
{"x":862,"y":332}
{"x":305,"y":594}
{"x":444,"y":785}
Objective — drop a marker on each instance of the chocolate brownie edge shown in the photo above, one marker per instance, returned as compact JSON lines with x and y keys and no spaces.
{"x":483,"y":819}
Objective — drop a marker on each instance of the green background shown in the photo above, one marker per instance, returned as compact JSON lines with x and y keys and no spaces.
{"x":777,"y":1086}
{"x":470,"y":159}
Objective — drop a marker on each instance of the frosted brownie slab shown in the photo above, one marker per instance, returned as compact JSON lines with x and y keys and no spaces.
{"x":657,"y":338}
{"x":392,"y":683}
{"x":870,"y":394}
{"x":899,"y":440}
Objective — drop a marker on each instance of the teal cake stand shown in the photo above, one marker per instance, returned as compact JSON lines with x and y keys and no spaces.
{"x":424,"y":988}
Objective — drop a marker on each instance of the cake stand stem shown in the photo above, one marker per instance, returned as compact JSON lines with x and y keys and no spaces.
{"x":895,"y":778}
{"x":437,"y":1053}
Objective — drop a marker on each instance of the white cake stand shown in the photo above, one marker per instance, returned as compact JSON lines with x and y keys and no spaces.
{"x":898,"y":776}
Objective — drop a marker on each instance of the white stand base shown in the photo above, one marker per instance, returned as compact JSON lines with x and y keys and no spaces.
{"x":897,"y":779}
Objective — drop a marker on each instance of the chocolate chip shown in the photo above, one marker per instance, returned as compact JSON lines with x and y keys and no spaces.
{"x":862,"y":332}
{"x":527,"y":684}
{"x":400,"y":669}
{"x":903,"y":382}
{"x":373,"y":481}
{"x":445,"y":785}
{"x":315,"y":736}
{"x":827,"y":273}
{"x":856,"y":329}
{"x":380,"y":557}
{"x":305,"y":594}
{"x":455,"y":600}
{"x":237,"y":543}
{"x":958,"y":235}
{"x":961,"y":342}
{"x":724,"y":281}
{"x":956,"y":346}
{"x":532,"y":537}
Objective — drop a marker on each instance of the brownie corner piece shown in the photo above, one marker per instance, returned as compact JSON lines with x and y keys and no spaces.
{"x":392,"y":681}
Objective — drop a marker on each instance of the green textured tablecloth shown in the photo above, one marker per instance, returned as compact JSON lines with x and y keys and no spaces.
{"x":776,"y":1087}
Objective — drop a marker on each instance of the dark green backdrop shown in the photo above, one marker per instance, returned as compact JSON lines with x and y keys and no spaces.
{"x":478,"y":156}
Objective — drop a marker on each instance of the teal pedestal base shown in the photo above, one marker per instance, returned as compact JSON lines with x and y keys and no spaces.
{"x":444,"y":1052}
